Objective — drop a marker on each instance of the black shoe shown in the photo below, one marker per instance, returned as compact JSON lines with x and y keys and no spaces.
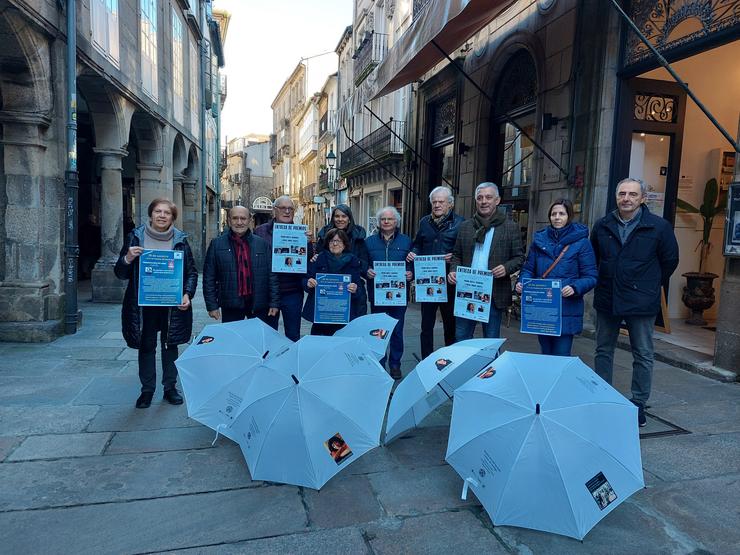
{"x":172,"y":396}
{"x":396,"y":373}
{"x":145,"y":400}
{"x":641,"y":418}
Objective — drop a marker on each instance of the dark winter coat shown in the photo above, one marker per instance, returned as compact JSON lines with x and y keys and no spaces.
{"x":180,"y":326}
{"x":395,"y":250}
{"x":576,"y":268}
{"x":289,"y":283}
{"x":321,"y":266}
{"x":435,"y":240}
{"x":630,"y":275}
{"x":357,"y":236}
{"x":506,"y":249}
{"x":220,"y":286}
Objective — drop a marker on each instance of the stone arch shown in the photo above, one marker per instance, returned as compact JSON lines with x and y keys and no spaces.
{"x":179,"y":165}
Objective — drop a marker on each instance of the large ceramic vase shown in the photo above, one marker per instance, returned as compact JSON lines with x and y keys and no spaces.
{"x":698,"y":295}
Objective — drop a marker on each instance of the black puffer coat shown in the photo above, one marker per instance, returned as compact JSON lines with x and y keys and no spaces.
{"x":220,"y":287}
{"x":180,"y":326}
{"x":433,"y":239}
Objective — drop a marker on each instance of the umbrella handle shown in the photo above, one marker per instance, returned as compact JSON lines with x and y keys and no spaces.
{"x":468,"y":482}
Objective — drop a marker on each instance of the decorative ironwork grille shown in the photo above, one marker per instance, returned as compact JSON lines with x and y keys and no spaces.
{"x":419,"y":6}
{"x":444,"y":119}
{"x":668,"y":24}
{"x":518,"y":84}
{"x":379,"y":144}
{"x":652,"y":107}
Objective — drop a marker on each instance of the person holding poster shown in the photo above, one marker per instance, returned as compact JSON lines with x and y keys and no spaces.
{"x":341,"y":218}
{"x":562,"y":251}
{"x":291,"y":287}
{"x":436,"y":237}
{"x":390,"y":245}
{"x":141,"y":324}
{"x":339,"y":259}
{"x":488,"y":241}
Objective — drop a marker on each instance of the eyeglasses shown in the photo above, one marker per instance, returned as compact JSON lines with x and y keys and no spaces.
{"x":336,"y":242}
{"x":285,"y":208}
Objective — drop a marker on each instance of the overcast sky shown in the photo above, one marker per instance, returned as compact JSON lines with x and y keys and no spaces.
{"x":266,"y":40}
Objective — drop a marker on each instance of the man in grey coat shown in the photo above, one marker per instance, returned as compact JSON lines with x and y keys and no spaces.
{"x":488,"y":241}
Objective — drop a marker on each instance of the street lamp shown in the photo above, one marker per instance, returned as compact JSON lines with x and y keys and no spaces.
{"x":331,"y":159}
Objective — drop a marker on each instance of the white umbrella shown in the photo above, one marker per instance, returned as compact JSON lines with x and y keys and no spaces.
{"x":433,"y":381}
{"x":545,"y":443}
{"x":312,"y":411}
{"x":373,"y":329}
{"x":217,"y":366}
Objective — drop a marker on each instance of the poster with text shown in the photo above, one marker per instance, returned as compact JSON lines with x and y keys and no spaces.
{"x":390,"y":283}
{"x":430,"y":278}
{"x":473,"y":294}
{"x":289,"y":249}
{"x":160,"y":278}
{"x":332,"y":299}
{"x":542,"y":306}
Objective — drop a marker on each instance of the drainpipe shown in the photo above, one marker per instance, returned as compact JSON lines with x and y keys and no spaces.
{"x":217,"y":154}
{"x":71,"y":182}
{"x":203,"y":145}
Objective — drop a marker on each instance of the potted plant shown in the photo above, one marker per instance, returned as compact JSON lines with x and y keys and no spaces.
{"x":698,"y":295}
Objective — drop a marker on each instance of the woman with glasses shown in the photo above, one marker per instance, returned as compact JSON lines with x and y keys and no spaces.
{"x":338,"y":259}
{"x":341,"y":218}
{"x":388,"y":244}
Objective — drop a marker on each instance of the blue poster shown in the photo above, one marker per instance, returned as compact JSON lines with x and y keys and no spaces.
{"x":332,"y":299}
{"x":542,"y":306}
{"x":473,"y":294}
{"x":289,"y":248}
{"x":430,"y":279}
{"x":160,"y":278}
{"x":390,"y":283}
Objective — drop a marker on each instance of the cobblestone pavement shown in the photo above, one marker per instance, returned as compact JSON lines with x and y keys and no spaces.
{"x":83,"y":471}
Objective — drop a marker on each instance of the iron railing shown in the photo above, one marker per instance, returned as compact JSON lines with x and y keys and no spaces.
{"x":327,"y":125}
{"x":326,"y":185}
{"x":379,"y":144}
{"x":370,"y":53}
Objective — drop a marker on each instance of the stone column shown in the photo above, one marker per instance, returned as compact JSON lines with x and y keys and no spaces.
{"x":150,"y":187}
{"x":177,"y":198}
{"x":191,"y":217}
{"x":106,"y":288}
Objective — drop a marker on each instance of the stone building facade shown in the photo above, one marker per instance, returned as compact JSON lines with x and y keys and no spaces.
{"x":139,"y":107}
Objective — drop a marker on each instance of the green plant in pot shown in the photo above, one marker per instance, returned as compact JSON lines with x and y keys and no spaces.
{"x":698,"y":294}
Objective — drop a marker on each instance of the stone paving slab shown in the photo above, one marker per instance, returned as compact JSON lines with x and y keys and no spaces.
{"x":340,"y":541}
{"x":708,"y":417}
{"x":343,"y":501}
{"x":155,"y":525}
{"x":116,"y":390}
{"x":7,"y":444}
{"x":66,"y":367}
{"x":65,"y":482}
{"x":60,"y":446}
{"x":70,"y":351}
{"x":700,"y":456}
{"x":443,"y":533}
{"x":127,"y":418}
{"x":420,"y":447}
{"x":30,"y":420}
{"x":379,"y":459}
{"x":170,"y":439}
{"x":40,"y":390}
{"x":19,"y":366}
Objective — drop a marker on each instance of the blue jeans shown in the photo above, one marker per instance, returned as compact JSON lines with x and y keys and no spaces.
{"x":395,"y":350}
{"x":641,"y":341}
{"x":464,"y":328}
{"x":557,"y":346}
{"x":291,"y":305}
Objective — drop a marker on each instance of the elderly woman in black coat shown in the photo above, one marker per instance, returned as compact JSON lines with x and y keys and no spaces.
{"x":141,"y":323}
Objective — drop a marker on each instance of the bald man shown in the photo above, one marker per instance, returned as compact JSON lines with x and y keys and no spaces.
{"x":237,"y":279}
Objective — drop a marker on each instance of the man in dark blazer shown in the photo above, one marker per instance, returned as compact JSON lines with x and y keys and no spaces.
{"x":237,"y":279}
{"x":488,"y":241}
{"x":636,"y":252}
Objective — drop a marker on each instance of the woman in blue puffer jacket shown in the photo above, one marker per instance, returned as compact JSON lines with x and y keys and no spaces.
{"x":576,"y":271}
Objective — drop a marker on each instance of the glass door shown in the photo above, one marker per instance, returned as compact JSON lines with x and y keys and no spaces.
{"x":649,"y":161}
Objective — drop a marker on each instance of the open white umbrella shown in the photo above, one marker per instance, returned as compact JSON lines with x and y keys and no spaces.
{"x":545,"y":443}
{"x":217,"y":366}
{"x":312,"y":411}
{"x":433,"y":381}
{"x":373,"y":329}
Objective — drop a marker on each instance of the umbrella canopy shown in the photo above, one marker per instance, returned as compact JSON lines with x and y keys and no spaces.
{"x":373,"y":329}
{"x":545,"y":443}
{"x":434,"y":379}
{"x":312,"y":411}
{"x":216,"y":368}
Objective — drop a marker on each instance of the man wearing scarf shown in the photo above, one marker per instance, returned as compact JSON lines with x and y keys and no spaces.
{"x":488,"y":241}
{"x":436,"y":236}
{"x":237,"y":279}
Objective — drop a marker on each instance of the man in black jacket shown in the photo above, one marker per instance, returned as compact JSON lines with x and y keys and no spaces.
{"x":636,"y":252}
{"x":436,"y":236}
{"x":237,"y":278}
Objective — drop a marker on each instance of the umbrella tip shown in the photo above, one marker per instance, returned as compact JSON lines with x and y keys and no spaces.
{"x":265,"y":355}
{"x":537,"y":409}
{"x":294,"y":378}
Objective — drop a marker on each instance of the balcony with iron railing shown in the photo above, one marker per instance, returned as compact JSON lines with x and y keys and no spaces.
{"x":309,"y":142}
{"x":276,"y":155}
{"x":380,"y":145}
{"x":327,"y":126}
{"x":307,"y":193}
{"x":370,"y":53}
{"x":326,"y":181}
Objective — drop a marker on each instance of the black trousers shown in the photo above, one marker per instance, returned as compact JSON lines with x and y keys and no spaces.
{"x":429,"y":318}
{"x":156,"y":319}
{"x":245,"y":311}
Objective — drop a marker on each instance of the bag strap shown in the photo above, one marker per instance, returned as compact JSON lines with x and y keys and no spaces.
{"x":555,"y":262}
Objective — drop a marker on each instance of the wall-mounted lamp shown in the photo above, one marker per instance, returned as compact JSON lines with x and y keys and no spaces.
{"x":463,"y":149}
{"x":548,"y":121}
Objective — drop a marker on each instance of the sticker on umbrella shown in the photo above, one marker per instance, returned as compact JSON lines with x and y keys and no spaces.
{"x":380,"y":333}
{"x":601,"y":490}
{"x":206,"y":339}
{"x":487,"y":373}
{"x":442,"y":363}
{"x":338,"y":448}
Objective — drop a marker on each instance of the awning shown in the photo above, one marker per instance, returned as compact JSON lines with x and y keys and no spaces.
{"x":449,"y":23}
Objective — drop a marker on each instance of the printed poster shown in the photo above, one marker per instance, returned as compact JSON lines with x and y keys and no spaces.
{"x":332,"y":299}
{"x":473,"y":294}
{"x":390,"y":283}
{"x":160,"y":278}
{"x":542,"y":307}
{"x":430,"y":277}
{"x":289,"y":248}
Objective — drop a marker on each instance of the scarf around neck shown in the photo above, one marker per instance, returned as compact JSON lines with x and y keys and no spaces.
{"x":243,"y":265}
{"x":337,"y":263}
{"x":481,"y":224}
{"x":158,"y":240}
